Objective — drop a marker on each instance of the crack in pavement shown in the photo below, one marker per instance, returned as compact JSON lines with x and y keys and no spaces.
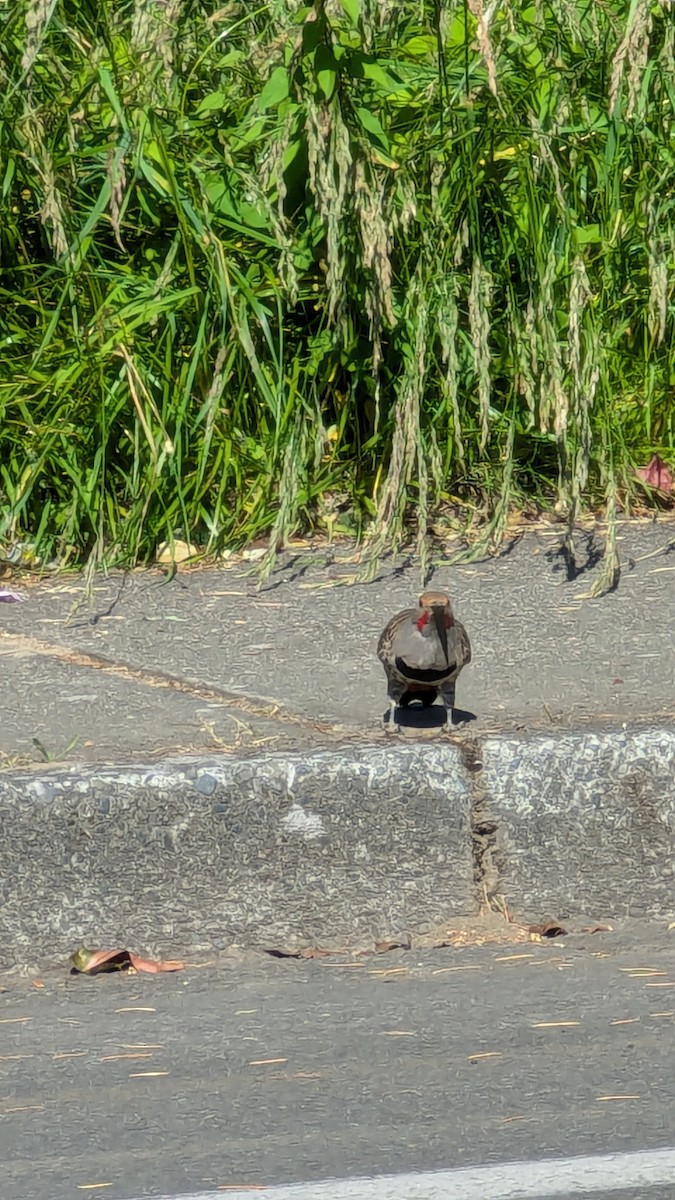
{"x":21,"y":644}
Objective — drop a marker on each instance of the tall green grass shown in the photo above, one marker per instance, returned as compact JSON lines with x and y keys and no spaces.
{"x":340,"y":265}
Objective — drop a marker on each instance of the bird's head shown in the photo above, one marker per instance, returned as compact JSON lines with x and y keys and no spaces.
{"x":436,"y":617}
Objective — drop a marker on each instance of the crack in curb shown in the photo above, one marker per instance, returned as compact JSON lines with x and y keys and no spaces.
{"x":484,"y":829}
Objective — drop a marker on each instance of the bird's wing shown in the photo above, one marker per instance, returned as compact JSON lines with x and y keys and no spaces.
{"x":388,"y":635}
{"x":463,"y":645}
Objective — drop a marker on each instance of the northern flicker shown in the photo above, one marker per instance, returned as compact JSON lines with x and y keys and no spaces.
{"x":423,"y":651}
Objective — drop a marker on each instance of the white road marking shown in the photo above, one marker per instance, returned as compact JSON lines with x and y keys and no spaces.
{"x":585,"y":1176}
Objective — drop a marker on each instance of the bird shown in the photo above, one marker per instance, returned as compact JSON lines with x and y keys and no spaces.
{"x":422,"y":651}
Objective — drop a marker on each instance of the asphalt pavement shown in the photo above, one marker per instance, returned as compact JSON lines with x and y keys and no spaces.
{"x":409,"y":1075}
{"x":137,"y":665}
{"x":255,"y":1072}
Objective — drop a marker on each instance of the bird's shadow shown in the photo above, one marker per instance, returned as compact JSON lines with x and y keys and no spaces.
{"x":434,"y":717}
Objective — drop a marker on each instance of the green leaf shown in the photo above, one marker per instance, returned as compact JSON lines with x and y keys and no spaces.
{"x":373,"y":128}
{"x":326,"y":70}
{"x":109,"y":89}
{"x":585,"y":234}
{"x":154,"y":177}
{"x":374,"y":72}
{"x":457,"y":32}
{"x":9,"y":176}
{"x":291,"y":152}
{"x":353,"y":10}
{"x":326,"y":81}
{"x":275,"y":90}
{"x":420,"y":46}
{"x":82,"y":242}
{"x":214,"y":100}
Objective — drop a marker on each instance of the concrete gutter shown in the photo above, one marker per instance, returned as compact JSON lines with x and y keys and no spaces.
{"x":287,"y":848}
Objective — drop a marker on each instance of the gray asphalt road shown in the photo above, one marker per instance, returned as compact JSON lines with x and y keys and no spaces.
{"x":270,"y":1072}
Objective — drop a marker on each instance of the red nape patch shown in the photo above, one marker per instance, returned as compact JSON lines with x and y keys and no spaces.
{"x":426,"y":617}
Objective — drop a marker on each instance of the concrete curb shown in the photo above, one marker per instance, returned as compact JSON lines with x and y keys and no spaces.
{"x":294,"y":847}
{"x":582,"y":822}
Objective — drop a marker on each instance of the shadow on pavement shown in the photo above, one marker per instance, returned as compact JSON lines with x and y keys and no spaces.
{"x":417,"y":717}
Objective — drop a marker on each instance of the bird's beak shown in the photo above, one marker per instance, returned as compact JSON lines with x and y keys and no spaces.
{"x":438,"y":615}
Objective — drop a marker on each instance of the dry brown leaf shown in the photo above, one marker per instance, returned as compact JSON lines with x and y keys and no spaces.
{"x":91,"y":962}
{"x":175,"y":552}
{"x":155,"y":967}
{"x":596,"y":929}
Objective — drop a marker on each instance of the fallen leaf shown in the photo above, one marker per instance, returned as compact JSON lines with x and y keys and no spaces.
{"x":152,"y":967}
{"x":596,"y":929}
{"x":656,"y":475}
{"x":91,"y":962}
{"x":175,"y":552}
{"x":10,"y":597}
{"x":37,"y":983}
{"x":402,"y":943}
{"x":548,"y":929}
